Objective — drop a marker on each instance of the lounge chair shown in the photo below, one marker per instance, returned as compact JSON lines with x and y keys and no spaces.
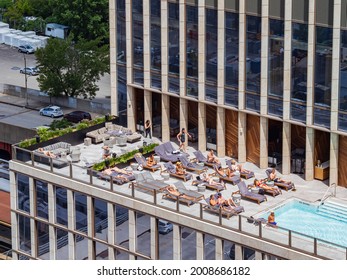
{"x":216,"y":209}
{"x":267,"y":191}
{"x":115,"y":176}
{"x":244,"y":174}
{"x":235,"y":179}
{"x":162,"y":151}
{"x":282,"y":185}
{"x":192,"y":166}
{"x":201,"y":158}
{"x":145,"y":181}
{"x":247,"y":194}
{"x":171,"y":169}
{"x":186,"y":196}
{"x":140,"y":159}
{"x":218,"y":186}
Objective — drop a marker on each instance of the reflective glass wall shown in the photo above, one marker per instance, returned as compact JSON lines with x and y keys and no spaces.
{"x":342,"y":125}
{"x":231,"y":69}
{"x":155,"y":44}
{"x":137,"y":25}
{"x":253,"y":62}
{"x":299,"y":72}
{"x":174,"y":50}
{"x":192,"y":50}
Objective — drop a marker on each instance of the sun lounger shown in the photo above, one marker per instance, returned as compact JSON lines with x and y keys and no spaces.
{"x":186,"y":196}
{"x":145,"y":181}
{"x":171,"y":169}
{"x":192,"y":166}
{"x":218,"y":186}
{"x":247,"y":194}
{"x":117,"y":177}
{"x":282,"y":185}
{"x":163,"y":151}
{"x":267,"y":191}
{"x":140,"y":159}
{"x":235,"y":179}
{"x":244,"y":174}
{"x":227,"y":213}
{"x":201,"y":158}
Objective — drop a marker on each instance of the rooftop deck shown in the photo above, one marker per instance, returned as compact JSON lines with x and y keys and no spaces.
{"x":310,"y":191}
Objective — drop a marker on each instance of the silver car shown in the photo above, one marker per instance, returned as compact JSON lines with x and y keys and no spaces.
{"x":51,"y":111}
{"x":32,"y":71}
{"x":26,"y":49}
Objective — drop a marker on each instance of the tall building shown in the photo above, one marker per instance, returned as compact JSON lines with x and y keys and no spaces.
{"x":256,"y":80}
{"x":253,"y":79}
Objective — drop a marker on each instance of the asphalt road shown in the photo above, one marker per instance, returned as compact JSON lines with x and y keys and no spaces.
{"x":11,"y":61}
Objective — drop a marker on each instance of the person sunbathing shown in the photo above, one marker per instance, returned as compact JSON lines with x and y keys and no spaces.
{"x":238,"y":167}
{"x":121,"y":171}
{"x":151,"y":161}
{"x":208,"y":179}
{"x":46,"y":153}
{"x":224,"y":172}
{"x":261,"y":184}
{"x":106,"y":152}
{"x":211,"y":157}
{"x":227,"y":203}
{"x":273,"y":177}
{"x":107,"y":171}
{"x":174,"y":191}
{"x":214,"y":202}
{"x":179,"y":168}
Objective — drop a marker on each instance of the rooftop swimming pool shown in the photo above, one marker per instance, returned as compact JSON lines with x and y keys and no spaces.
{"x":327,"y":222}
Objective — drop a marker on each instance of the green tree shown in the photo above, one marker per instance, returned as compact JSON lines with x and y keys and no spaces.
{"x":86,"y":18}
{"x":17,"y":11}
{"x":72,"y":69}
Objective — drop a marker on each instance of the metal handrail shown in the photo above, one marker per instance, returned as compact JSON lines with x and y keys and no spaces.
{"x":326,"y":195}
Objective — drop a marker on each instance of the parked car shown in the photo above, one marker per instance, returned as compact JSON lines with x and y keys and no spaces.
{"x":32,"y":71}
{"x":164,"y":227}
{"x":51,"y":111}
{"x":77,"y":116}
{"x":26,"y":49}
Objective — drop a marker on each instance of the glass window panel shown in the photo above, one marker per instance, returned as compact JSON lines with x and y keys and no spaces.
{"x":143,"y":234}
{"x":155,"y":80}
{"x":192,"y":41}
{"x":211,"y":93}
{"x":81,"y":247}
{"x":343,"y":83}
{"x":121,"y":38}
{"x":43,"y":241}
{"x":322,"y":117}
{"x":122,"y":226}
{"x":192,"y":88}
{"x":100,"y":219}
{"x":275,"y":107}
{"x":188,"y":243}
{"x":138,"y":76}
{"x":122,"y":95}
{"x":231,"y":97}
{"x":165,"y":241}
{"x":23,"y":192}
{"x":101,"y":251}
{"x":24,"y":234}
{"x":62,"y":244}
{"x":209,"y":247}
{"x":228,"y":250}
{"x":276,"y":55}
{"x":342,"y":121}
{"x":137,"y":18}
{"x":80,"y":212}
{"x":41,"y":199}
{"x":253,"y":102}
{"x":174,"y":84}
{"x":211,"y":45}
{"x":231,"y":49}
{"x":173,"y":38}
{"x":61,"y":206}
{"x":155,"y":35}
{"x":298,"y":112}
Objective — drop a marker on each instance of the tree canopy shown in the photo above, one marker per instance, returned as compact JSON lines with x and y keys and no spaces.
{"x":72,"y":69}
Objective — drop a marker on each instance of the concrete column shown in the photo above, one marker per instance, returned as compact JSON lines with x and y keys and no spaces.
{"x":220,"y":131}
{"x":264,"y":58}
{"x":199,"y":246}
{"x":90,"y":227}
{"x":221,"y":55}
{"x":311,"y":49}
{"x":34,"y":239}
{"x":148,"y":107}
{"x":286,"y":148}
{"x":183,"y":49}
{"x":309,"y":161}
{"x":238,"y":252}
{"x":242,"y":55}
{"x":335,"y":79}
{"x":113,"y":56}
{"x":176,"y":235}
{"x":146,"y":44}
{"x":154,"y":238}
{"x":51,"y":219}
{"x":201,"y":51}
{"x":111,"y":230}
{"x":242,"y":141}
{"x":71,"y":223}
{"x":14,"y":218}
{"x":164,"y":46}
{"x":202,"y":126}
{"x":263,"y":142}
{"x":258,"y":256}
{"x":184,"y":116}
{"x":219,"y":253}
{"x":131,"y":108}
{"x":165,"y":118}
{"x":132,"y":233}
{"x":287,"y":67}
{"x":129,"y":42}
{"x":334,"y":159}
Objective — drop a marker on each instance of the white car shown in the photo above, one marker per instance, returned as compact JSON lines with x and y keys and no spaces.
{"x":51,"y":111}
{"x":26,"y":49}
{"x":31,"y":71}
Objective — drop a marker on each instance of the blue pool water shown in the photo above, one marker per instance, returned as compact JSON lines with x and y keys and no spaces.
{"x":304,"y":218}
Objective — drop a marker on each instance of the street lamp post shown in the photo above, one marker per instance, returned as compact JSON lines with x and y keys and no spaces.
{"x":26,"y":81}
